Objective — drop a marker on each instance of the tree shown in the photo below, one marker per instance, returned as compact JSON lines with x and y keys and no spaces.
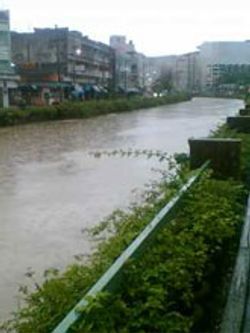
{"x":164,"y":82}
{"x":235,"y":74}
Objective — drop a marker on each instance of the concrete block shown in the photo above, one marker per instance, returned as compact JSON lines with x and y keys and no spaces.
{"x":224,"y":155}
{"x":244,"y":112}
{"x":240,"y":123}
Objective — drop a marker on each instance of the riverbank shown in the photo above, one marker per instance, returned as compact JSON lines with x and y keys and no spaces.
{"x":172,"y":288}
{"x":79,"y":110}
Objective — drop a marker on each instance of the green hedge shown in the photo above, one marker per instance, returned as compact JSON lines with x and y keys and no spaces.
{"x":71,"y":110}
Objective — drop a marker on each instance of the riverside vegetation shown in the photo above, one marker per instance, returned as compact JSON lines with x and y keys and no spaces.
{"x":177,"y":286}
{"x":86,"y":109}
{"x":226,"y":132}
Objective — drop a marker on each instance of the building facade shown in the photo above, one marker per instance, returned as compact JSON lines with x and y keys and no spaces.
{"x":8,"y":79}
{"x":55,"y":60}
{"x":129,"y":66}
{"x":157,"y":65}
{"x":188,"y":72}
{"x":217,"y":58}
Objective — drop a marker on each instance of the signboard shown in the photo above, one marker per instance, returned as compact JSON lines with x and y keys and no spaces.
{"x":4,"y":41}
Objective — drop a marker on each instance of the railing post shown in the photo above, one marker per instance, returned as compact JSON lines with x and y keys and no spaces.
{"x":236,"y":318}
{"x":244,"y":112}
{"x":239,"y":123}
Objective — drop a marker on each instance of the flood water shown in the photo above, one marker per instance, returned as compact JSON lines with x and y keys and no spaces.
{"x":50,"y":188}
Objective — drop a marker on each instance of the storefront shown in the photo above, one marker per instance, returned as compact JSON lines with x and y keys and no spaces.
{"x":8,"y":89}
{"x":45,"y":93}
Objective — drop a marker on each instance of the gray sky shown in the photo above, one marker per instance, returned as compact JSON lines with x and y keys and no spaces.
{"x":157,"y":27}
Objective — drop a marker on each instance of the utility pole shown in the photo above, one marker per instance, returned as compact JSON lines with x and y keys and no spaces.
{"x":58,"y":58}
{"x":58,"y":62}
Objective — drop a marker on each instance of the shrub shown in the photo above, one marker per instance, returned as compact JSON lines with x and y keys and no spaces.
{"x":72,"y":110}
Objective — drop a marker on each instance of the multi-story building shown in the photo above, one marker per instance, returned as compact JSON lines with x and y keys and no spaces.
{"x":8,"y":79}
{"x":54,"y":60}
{"x":182,"y":70}
{"x":129,"y":65}
{"x":218,"y":57}
{"x":187,"y":72}
{"x":90,"y":61}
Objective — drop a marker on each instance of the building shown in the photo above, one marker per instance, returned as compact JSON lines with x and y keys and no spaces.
{"x":217,"y":67}
{"x":129,"y":66}
{"x":187,"y":72}
{"x":218,"y":58}
{"x":156,"y":67}
{"x":55,"y":62}
{"x":8,"y":79}
{"x":183,"y":71}
{"x":119,"y":43}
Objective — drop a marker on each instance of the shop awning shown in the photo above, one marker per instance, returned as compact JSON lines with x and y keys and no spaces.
{"x":36,"y":85}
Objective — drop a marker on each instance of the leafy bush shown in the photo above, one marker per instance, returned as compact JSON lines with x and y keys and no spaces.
{"x":225,"y":132}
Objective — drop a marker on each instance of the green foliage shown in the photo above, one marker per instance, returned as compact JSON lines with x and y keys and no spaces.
{"x":75,"y":110}
{"x":160,"y":155}
{"x":164,"y":82}
{"x":235,"y":74}
{"x":225,"y":132}
{"x":163,"y":291}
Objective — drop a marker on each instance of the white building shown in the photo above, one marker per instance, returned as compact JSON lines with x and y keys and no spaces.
{"x":188,"y":72}
{"x":129,"y":65}
{"x":216,"y":55}
{"x":184,"y":70}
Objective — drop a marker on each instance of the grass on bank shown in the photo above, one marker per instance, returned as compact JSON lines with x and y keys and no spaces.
{"x":86,"y":109}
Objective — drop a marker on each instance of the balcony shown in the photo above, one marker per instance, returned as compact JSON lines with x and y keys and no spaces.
{"x":40,"y":69}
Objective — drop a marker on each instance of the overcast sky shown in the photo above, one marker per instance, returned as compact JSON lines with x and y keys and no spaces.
{"x":157,"y":27}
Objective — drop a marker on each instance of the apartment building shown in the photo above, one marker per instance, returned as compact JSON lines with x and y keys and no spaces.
{"x":220,"y":57}
{"x":129,"y":65}
{"x":8,"y":78}
{"x":54,"y":60}
{"x":187,"y":72}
